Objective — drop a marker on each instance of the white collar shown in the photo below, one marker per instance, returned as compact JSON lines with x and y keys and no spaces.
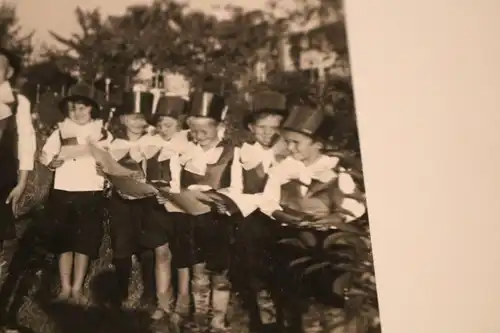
{"x":251,"y":155}
{"x":90,"y":132}
{"x":196,"y":159}
{"x":136,"y":149}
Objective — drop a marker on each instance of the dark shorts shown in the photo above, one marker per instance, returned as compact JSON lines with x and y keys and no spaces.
{"x":212,"y":238}
{"x":78,"y":219}
{"x":158,"y":226}
{"x":254,"y":237}
{"x":126,"y":222}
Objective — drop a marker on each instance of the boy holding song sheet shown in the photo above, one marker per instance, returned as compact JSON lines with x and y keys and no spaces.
{"x":310,"y":187}
{"x":254,"y":232}
{"x":163,"y":170}
{"x":208,"y":165}
{"x":127,"y":215}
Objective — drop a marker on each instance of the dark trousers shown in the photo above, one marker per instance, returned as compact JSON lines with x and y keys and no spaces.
{"x":7,"y":219}
{"x":212,"y":237}
{"x":127,"y":218}
{"x":253,"y":263}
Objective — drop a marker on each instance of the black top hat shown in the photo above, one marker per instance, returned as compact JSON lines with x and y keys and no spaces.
{"x":207,"y":104}
{"x":169,"y":106}
{"x":14,"y":60}
{"x":136,"y":102}
{"x":80,"y":92}
{"x":310,"y":121}
{"x":266,"y":102}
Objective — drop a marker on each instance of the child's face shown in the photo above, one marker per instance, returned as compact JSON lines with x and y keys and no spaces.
{"x":300,"y":146}
{"x":79,"y":113}
{"x":134,"y":123}
{"x":265,"y":129}
{"x":167,"y":127}
{"x":203,"y":130}
{"x":5,"y":69}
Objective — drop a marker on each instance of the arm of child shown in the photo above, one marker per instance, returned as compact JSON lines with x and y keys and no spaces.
{"x":106,"y":140}
{"x":271,"y":196}
{"x":236,"y":185}
{"x":51,"y":148}
{"x":353,"y":205}
{"x":26,"y":134}
{"x":175,"y":169}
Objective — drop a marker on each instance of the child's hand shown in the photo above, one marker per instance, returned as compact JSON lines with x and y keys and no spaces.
{"x":221,"y":208}
{"x":99,"y":169}
{"x":56,"y":163}
{"x":161,"y":199}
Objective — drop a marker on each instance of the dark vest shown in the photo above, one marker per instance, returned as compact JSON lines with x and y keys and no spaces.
{"x":218,"y":175}
{"x":325,"y":196}
{"x":254,"y":180}
{"x":9,"y":162}
{"x":128,"y":162}
{"x":156,"y":170}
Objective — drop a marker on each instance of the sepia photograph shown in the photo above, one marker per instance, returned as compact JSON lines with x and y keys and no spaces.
{"x":189,"y":166}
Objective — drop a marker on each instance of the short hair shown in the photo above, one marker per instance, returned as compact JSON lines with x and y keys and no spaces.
{"x":95,"y":113}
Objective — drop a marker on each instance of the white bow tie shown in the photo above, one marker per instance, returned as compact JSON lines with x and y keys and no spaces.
{"x":197,"y":159}
{"x":253,"y":155}
{"x":121,"y":148}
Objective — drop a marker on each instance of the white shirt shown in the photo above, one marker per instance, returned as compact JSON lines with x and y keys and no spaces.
{"x":321,"y":170}
{"x":170,"y":150}
{"x":76,"y":174}
{"x":26,"y":142}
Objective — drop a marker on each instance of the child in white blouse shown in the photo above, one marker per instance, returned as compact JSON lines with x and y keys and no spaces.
{"x":163,"y":168}
{"x":254,"y":233}
{"x":127,"y":217}
{"x":207,"y":165}
{"x":76,"y":201}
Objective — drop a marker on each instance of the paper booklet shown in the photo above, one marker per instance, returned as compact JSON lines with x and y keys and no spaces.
{"x":291,"y":217}
{"x":132,"y":186}
{"x":75,"y":151}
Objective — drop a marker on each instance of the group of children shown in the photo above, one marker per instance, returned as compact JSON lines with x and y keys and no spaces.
{"x":283,"y":168}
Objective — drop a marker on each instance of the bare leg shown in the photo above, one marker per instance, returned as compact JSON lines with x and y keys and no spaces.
{"x":163,"y":276}
{"x":200,"y":286}
{"x":183,"y":291}
{"x":220,"y":300}
{"x":65,"y":268}
{"x":79,"y":273}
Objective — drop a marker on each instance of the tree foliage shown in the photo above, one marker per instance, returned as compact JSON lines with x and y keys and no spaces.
{"x":171,"y":36}
{"x":11,"y":35}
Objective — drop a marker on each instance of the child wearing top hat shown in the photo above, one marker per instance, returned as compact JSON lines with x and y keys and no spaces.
{"x":308,"y":180}
{"x":164,"y":168}
{"x":127,"y":216}
{"x":207,"y":165}
{"x":253,"y":234}
{"x":309,"y":184}
{"x":76,"y":201}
